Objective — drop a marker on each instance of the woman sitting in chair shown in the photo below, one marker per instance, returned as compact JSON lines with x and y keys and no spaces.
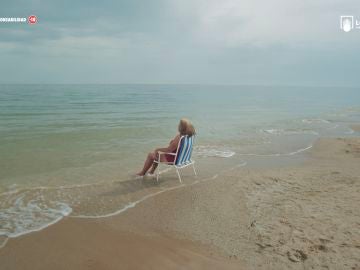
{"x":185,"y":128}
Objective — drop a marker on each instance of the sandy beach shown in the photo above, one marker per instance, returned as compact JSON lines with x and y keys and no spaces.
{"x":300,"y":217}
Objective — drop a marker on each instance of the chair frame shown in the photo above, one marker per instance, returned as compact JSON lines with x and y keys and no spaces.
{"x":177,"y":167}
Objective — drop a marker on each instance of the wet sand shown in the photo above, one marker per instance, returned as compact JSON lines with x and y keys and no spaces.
{"x":301,"y":217}
{"x":94,"y":244}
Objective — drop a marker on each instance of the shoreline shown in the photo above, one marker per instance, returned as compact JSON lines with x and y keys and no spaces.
{"x":243,"y":219}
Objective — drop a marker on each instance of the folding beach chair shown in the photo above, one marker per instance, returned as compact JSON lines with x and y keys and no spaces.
{"x":182,"y":156}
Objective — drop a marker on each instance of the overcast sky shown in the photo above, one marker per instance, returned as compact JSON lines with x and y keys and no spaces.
{"x":180,"y":41}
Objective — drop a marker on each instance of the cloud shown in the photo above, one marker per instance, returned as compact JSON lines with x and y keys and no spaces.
{"x":186,"y":41}
{"x":234,"y":23}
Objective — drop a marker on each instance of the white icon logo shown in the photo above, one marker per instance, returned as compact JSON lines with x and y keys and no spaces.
{"x":346,"y":23}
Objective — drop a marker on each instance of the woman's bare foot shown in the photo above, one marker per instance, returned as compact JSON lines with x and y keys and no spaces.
{"x":138,"y":176}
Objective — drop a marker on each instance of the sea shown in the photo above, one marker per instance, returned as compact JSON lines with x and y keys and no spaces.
{"x":72,"y":150}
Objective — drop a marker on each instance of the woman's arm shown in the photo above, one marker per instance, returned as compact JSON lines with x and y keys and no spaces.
{"x":172,"y":146}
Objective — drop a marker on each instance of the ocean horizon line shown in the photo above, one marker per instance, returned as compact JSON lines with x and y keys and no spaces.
{"x":190,"y":84}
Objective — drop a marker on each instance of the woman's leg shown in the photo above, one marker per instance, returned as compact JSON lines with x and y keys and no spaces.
{"x":163,"y":158}
{"x":153,"y":168}
{"x":148,"y":162}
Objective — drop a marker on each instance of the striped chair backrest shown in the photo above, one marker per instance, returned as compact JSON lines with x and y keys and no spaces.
{"x":184,"y":150}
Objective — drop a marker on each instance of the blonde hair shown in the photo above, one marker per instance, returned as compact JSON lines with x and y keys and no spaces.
{"x":186,"y":128}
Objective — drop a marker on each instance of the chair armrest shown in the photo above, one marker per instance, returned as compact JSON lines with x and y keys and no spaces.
{"x":163,"y":153}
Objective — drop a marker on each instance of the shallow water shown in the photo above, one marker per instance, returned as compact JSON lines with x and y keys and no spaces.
{"x":72,"y":149}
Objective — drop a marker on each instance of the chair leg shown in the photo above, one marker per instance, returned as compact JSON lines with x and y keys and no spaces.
{"x":178,"y":173}
{"x":194,"y":169}
{"x":157,"y":173}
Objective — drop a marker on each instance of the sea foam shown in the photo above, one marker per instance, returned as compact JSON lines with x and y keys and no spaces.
{"x":24,"y":215}
{"x":205,"y":151}
{"x":274,"y":131}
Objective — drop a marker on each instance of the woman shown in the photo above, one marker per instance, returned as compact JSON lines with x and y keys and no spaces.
{"x":185,"y":128}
